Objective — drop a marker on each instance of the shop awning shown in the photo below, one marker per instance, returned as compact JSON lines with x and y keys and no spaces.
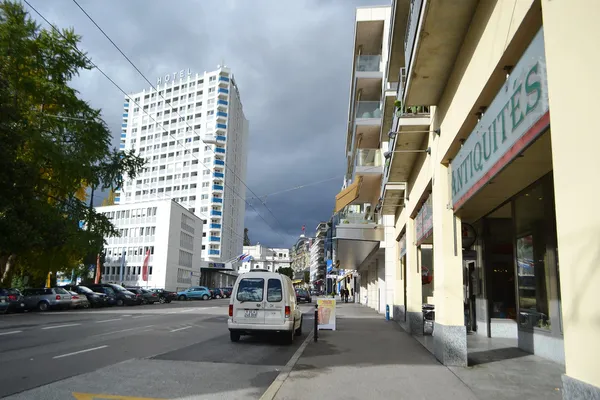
{"x":347,"y":195}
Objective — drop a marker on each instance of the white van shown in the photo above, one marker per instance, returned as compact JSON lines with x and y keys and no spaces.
{"x":263,"y":301}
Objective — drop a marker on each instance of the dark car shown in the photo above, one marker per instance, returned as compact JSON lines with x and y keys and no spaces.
{"x":226,"y":291}
{"x":147,"y":296}
{"x":122,"y":295}
{"x":139,"y":294}
{"x":216,"y":293}
{"x":11,"y":300}
{"x":96,"y":299}
{"x":303,"y":295}
{"x":165,"y":296}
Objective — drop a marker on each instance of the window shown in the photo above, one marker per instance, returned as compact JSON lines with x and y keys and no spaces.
{"x":274,"y":290}
{"x":251,"y":289}
{"x":185,"y":259}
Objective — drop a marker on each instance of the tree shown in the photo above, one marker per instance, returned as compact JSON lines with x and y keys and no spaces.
{"x":53,"y":144}
{"x":246,"y":238}
{"x":286,"y":271}
{"x":306,"y":276}
{"x":110,"y":199}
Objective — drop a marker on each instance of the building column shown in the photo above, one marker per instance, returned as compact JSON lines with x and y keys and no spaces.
{"x":391,"y":262}
{"x":414,"y":288}
{"x":570,"y":32}
{"x":450,"y":333}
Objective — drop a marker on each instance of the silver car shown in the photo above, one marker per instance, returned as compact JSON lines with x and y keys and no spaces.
{"x":45,"y":298}
{"x":79,"y":300}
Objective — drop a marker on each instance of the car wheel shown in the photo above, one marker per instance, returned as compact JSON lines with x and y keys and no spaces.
{"x":205,"y":297}
{"x":289,"y":336}
{"x":182,"y":298}
{"x":167,"y":301}
{"x":43,"y":306}
{"x":298,"y":332}
{"x":162,"y":300}
{"x":120,"y":302}
{"x":234,"y":336}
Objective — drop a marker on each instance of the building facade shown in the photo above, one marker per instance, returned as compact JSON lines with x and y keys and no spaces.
{"x":464,"y":193}
{"x":170,"y":232}
{"x":193,"y":134}
{"x":318,"y":264}
{"x":263,"y":257}
{"x":300,"y":254}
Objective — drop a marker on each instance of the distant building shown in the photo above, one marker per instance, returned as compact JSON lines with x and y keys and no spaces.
{"x":170,"y":232}
{"x":300,"y":254}
{"x":263,"y":257}
{"x":317,"y":257}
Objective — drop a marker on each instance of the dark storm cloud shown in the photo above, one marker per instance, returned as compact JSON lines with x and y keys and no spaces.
{"x":291,"y":60}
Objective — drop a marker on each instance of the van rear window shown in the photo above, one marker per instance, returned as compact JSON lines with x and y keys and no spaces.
{"x":274,"y":290}
{"x":251,"y":289}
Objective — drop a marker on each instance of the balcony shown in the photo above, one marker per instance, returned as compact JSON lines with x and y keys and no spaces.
{"x":435,"y":32}
{"x":209,"y":138}
{"x":215,"y":239}
{"x":221,"y":138}
{"x":218,"y":175}
{"x":215,"y":213}
{"x":215,"y":226}
{"x":368,"y":113}
{"x":221,"y":151}
{"x":217,"y":200}
{"x":369,"y":66}
{"x":219,"y":162}
{"x":217,"y":187}
{"x":222,"y":102}
{"x":213,"y":252}
{"x":368,"y":162}
{"x":356,"y":235}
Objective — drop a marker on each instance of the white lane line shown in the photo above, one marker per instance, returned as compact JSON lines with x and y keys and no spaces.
{"x":139,"y":316}
{"x":108,"y":320}
{"x":80,"y":351}
{"x":127,"y":315}
{"x":180,"y":329}
{"x":124,"y":330}
{"x":9,"y":333}
{"x":60,"y":326}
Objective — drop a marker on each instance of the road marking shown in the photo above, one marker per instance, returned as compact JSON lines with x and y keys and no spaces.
{"x":60,"y":326}
{"x":180,"y":329}
{"x":272,"y":390}
{"x":80,"y":351}
{"x":108,"y":320}
{"x":127,"y":315}
{"x":91,"y":396}
{"x":139,"y":316}
{"x":124,"y":330}
{"x":9,"y":333}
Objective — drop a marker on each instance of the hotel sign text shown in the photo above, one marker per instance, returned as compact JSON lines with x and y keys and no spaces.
{"x":171,"y":77}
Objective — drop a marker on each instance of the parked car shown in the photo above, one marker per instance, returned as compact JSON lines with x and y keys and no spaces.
{"x":147,"y":296}
{"x":248,"y":305}
{"x":94,"y":298}
{"x":303,"y":295}
{"x":226,"y":292}
{"x":165,"y":296}
{"x":139,"y":294}
{"x":44,"y":299}
{"x":11,"y":300}
{"x":195,"y":292}
{"x":216,"y":293}
{"x":78,"y":300}
{"x":122,"y":295}
{"x":111,"y":295}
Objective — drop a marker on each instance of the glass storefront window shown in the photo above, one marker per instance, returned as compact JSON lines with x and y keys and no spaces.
{"x":535,"y":239}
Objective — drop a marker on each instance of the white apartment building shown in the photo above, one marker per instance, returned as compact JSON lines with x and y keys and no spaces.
{"x":317,"y":256}
{"x":263,"y":257}
{"x":193,"y":134}
{"x":171,"y":233}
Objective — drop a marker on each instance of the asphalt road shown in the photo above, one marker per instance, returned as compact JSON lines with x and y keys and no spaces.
{"x":171,"y":351}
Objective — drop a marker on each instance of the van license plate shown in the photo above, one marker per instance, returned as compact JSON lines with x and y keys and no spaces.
{"x":250,"y":313}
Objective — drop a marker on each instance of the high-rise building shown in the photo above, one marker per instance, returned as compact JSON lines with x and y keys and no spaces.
{"x":193,"y":133}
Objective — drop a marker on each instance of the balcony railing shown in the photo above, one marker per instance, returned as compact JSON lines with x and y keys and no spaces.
{"x":368,"y":63}
{"x":368,"y":109}
{"x":411,"y":29}
{"x":368,"y":158}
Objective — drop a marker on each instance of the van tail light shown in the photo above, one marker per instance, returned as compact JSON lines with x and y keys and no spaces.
{"x":12,"y":297}
{"x":231,"y":310}
{"x":58,"y":297}
{"x":288,"y":311}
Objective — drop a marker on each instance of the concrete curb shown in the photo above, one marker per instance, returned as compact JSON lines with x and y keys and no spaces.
{"x":272,"y":390}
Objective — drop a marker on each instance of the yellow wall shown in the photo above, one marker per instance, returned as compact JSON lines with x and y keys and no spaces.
{"x":571,"y":32}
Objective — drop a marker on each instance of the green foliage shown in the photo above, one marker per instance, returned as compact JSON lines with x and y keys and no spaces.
{"x":286,"y":271}
{"x":53,"y":142}
{"x":306,"y":276}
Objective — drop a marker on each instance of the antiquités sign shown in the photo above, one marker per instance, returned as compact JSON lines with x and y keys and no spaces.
{"x":507,"y":125}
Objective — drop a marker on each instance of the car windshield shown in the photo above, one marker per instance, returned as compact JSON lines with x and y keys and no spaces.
{"x":118,"y":288}
{"x":61,"y":291}
{"x":251,"y":289}
{"x":85,"y":289}
{"x":301,"y":292}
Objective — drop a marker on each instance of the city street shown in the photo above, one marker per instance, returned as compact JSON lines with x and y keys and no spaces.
{"x":156,"y":351}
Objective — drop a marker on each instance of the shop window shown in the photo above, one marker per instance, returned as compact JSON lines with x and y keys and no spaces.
{"x":536,"y":253}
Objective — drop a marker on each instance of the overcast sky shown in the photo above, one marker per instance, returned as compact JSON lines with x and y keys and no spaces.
{"x":292,"y":63}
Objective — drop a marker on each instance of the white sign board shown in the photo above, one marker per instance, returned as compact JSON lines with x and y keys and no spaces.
{"x":326,"y":313}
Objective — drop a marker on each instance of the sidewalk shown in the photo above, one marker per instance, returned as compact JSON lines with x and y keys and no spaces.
{"x":368,"y":357}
